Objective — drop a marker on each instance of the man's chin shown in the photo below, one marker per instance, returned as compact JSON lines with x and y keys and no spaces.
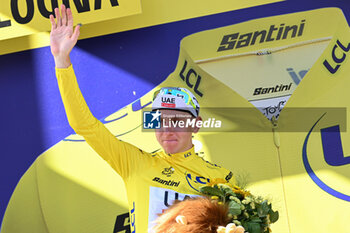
{"x":170,"y":149}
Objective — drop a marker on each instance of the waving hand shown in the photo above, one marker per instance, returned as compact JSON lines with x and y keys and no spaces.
{"x":62,"y":36}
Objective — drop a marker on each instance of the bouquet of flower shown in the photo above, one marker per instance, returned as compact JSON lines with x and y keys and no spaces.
{"x":254,"y":213}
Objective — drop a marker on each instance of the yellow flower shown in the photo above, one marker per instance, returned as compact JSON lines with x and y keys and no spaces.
{"x":240,"y":191}
{"x":216,"y":181}
{"x":214,"y":197}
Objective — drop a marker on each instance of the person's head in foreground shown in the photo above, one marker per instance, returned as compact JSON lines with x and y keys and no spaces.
{"x":196,"y":215}
{"x":177,"y":106}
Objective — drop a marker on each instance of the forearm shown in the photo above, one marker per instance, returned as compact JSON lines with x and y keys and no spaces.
{"x":78,"y":113}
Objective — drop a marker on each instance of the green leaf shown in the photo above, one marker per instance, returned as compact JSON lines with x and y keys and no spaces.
{"x":245,"y":225}
{"x":264,"y":207}
{"x":262,"y":215}
{"x":255,"y":219}
{"x":211,"y":191}
{"x":274,"y":215}
{"x":253,"y":227}
{"x":227,"y":190}
{"x":260,"y":211}
{"x":234,"y":208}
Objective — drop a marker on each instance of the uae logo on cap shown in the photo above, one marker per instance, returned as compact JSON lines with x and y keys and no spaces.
{"x":151,"y":119}
{"x":168,"y":102}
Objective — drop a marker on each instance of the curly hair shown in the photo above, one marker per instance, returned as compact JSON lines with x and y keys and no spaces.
{"x":202,"y":216}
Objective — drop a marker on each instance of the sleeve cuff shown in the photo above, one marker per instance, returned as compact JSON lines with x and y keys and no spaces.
{"x":69,"y":68}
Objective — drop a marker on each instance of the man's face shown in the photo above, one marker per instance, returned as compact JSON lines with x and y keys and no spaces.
{"x":171,"y":136}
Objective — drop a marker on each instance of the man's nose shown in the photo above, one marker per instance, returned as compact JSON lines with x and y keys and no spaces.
{"x":167,"y":126}
{"x":169,"y":129}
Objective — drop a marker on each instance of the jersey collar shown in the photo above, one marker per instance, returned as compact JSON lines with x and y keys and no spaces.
{"x":326,"y":23}
{"x":181,"y":156}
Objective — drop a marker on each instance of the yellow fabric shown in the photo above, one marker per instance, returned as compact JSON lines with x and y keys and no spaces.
{"x":273,"y":151}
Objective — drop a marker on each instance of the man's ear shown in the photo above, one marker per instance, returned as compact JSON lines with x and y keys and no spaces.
{"x":181,"y":219}
{"x":196,"y":129}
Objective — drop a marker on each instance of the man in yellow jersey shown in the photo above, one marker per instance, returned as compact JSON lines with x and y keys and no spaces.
{"x":152,"y":181}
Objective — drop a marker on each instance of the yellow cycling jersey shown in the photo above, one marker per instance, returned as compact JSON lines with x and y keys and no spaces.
{"x":153,"y":181}
{"x":286,"y":79}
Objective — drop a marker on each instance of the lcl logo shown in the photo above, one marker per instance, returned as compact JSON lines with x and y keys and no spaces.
{"x":333,"y":156}
{"x":331,"y":67}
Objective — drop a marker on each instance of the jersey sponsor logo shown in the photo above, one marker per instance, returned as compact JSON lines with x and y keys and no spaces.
{"x":297,"y":76}
{"x":211,"y":165}
{"x":166,"y":182}
{"x":338,"y":56}
{"x":333,"y":155}
{"x":274,"y":110}
{"x":168,"y":171}
{"x":187,"y":154}
{"x":196,"y":181}
{"x":132,"y":219}
{"x":268,"y":90}
{"x":191,"y":78}
{"x":160,"y":199}
{"x":274,"y":33}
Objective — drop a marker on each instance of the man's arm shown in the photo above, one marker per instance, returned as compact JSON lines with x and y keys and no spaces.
{"x":120,"y":155}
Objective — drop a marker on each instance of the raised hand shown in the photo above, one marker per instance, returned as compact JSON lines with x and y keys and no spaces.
{"x":62,"y":36}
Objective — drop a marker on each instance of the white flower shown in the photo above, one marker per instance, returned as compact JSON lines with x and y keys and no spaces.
{"x":247,"y":200}
{"x":252,"y":204}
{"x":235,"y":199}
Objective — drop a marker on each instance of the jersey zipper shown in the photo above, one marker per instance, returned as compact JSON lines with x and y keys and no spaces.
{"x":276,"y":140}
{"x":276,"y":136}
